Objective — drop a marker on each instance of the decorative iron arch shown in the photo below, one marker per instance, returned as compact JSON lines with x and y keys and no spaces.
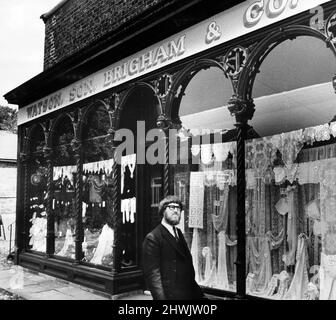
{"x":265,"y":47}
{"x":181,"y":82}
{"x":54,"y":125}
{"x":28,"y":137}
{"x":86,"y":113}
{"x":127,"y":94}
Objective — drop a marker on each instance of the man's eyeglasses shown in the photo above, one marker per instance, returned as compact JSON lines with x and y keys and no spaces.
{"x":174,"y":207}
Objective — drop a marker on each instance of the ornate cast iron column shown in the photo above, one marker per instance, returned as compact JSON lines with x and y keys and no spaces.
{"x":113,"y":106}
{"x":22,"y":233}
{"x":243,"y":111}
{"x":50,"y":215}
{"x":116,"y":215}
{"x":163,"y":123}
{"x":163,"y":87}
{"x":77,"y":149}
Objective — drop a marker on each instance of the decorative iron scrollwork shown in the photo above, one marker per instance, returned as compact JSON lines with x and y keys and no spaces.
{"x":241,"y":109}
{"x":330,"y":28}
{"x":112,"y":101}
{"x":163,"y":122}
{"x":234,"y":61}
{"x":76,"y":145}
{"x":47,"y":152}
{"x":163,"y":85}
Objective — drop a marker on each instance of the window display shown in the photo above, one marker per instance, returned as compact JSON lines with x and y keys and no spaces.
{"x":64,"y":180}
{"x":97,"y":205}
{"x":290,"y":234}
{"x":37,"y":217}
{"x":289,"y":172}
{"x":209,"y":219}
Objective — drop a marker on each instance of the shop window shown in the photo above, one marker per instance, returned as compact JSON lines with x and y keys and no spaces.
{"x":203,"y":105}
{"x":97,"y":204}
{"x":139,"y":113}
{"x":205,"y":179}
{"x":294,"y":87}
{"x":290,"y":174}
{"x":64,"y":180}
{"x":37,"y":216}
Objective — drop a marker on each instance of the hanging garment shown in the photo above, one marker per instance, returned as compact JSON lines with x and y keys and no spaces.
{"x":251,"y":286}
{"x":272,"y":286}
{"x":260,"y":262}
{"x":69,"y":244}
{"x":313,"y":210}
{"x":38,"y":233}
{"x":279,"y":175}
{"x":209,"y":279}
{"x":282,"y":206}
{"x":221,"y":151}
{"x":312,"y":292}
{"x":194,"y":250}
{"x":206,"y":153}
{"x":328,"y":277}
{"x":96,"y":189}
{"x":222,"y":274}
{"x":299,"y":285}
{"x":289,"y":257}
{"x":284,"y":283}
{"x":105,"y":245}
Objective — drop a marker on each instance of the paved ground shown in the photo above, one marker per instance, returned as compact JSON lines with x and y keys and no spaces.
{"x":19,"y":283}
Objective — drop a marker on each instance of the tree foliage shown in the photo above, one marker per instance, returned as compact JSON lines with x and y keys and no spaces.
{"x":8,"y":119}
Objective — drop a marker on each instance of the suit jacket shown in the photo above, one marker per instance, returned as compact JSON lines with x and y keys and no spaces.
{"x":168,"y":267}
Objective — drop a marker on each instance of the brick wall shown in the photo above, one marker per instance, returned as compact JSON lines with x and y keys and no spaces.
{"x":78,"y":23}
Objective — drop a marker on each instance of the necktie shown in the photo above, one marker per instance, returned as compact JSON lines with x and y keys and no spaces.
{"x":175,"y":232}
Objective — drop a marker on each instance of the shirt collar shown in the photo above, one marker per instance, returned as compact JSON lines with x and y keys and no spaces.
{"x":168,"y":227}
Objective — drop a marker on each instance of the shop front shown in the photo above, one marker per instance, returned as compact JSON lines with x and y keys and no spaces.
{"x":235,"y":115}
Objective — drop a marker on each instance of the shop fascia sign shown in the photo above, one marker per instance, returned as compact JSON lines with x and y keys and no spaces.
{"x":230,"y":24}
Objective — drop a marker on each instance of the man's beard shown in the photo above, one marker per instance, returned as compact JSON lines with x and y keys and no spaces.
{"x":173,"y":222}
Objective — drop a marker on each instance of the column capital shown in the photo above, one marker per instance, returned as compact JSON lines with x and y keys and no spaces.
{"x":47,"y":152}
{"x":163,"y":122}
{"x":76,"y":145}
{"x":242,"y":110}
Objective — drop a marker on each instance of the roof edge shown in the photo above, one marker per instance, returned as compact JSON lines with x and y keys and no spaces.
{"x":48,"y":14}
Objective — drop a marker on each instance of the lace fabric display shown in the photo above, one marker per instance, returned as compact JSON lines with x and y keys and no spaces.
{"x":38,"y":233}
{"x":104,"y":249}
{"x":210,"y":212}
{"x":298,"y":289}
{"x":306,"y":178}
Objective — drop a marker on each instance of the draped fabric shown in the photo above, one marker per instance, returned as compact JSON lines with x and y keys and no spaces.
{"x":105,"y":245}
{"x":289,"y":256}
{"x":213,"y":239}
{"x":222,"y":280}
{"x":309,"y":208}
{"x":259,"y":258}
{"x":194,"y":250}
{"x":299,"y":286}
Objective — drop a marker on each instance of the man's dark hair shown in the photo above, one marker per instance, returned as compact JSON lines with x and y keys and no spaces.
{"x":166,"y":201}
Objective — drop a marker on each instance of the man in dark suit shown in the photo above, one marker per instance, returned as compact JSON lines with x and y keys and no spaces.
{"x":167,"y":262}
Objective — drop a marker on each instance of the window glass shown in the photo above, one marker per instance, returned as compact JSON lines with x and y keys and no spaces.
{"x":64,"y":180}
{"x":290,"y":193}
{"x":139,"y":115}
{"x":37,"y":216}
{"x":205,"y":178}
{"x":294,"y":89}
{"x":97,"y":205}
{"x":204,"y":104}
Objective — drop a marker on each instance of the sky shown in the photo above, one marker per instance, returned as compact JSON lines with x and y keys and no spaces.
{"x":21,"y":42}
